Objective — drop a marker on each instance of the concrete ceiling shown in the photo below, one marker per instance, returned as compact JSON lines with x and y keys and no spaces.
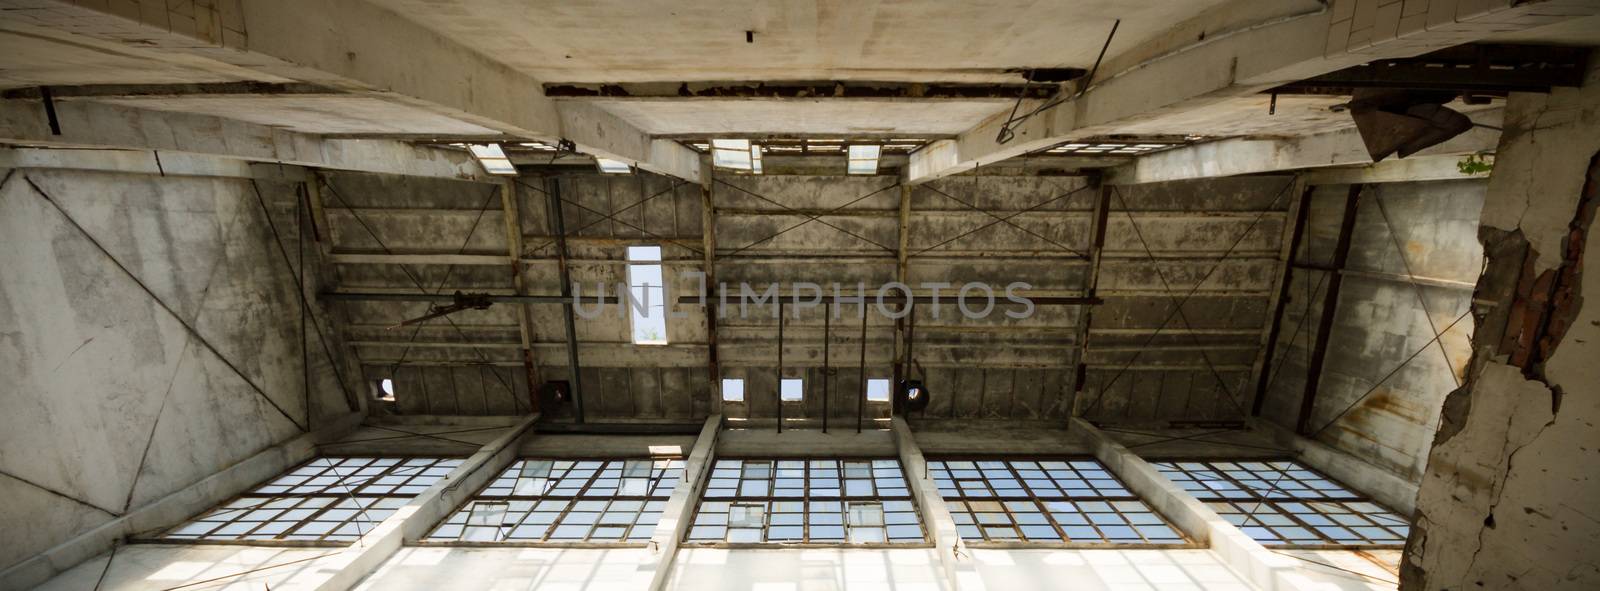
{"x":654,"y":40}
{"x":33,"y":56}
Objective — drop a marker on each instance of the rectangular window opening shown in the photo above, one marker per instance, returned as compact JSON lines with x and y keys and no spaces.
{"x":878,"y":390}
{"x":493,"y":159}
{"x":648,"y":295}
{"x":615,"y":501}
{"x":732,"y":390}
{"x":818,"y":501}
{"x":792,"y":390}
{"x":864,"y":159}
{"x":734,"y":154}
{"x":1047,"y":501}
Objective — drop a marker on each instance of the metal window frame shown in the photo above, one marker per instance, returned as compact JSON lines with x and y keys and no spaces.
{"x":515,"y":469}
{"x":1356,"y":496}
{"x":336,"y":496}
{"x":1185,"y":542}
{"x":805,"y":499}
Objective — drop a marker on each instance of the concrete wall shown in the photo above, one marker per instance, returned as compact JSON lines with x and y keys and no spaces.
{"x":1507,"y":500}
{"x":996,"y":368}
{"x":1381,"y":340}
{"x":107,"y":386}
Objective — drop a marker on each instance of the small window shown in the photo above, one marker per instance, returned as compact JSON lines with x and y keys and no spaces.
{"x":863,"y":159}
{"x":792,"y":390}
{"x":734,"y":154}
{"x":878,"y":390}
{"x":732,"y":390}
{"x":386,"y":390}
{"x":649,"y":296}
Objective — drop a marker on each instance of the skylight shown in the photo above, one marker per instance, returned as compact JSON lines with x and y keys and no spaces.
{"x":864,"y":159}
{"x":649,"y":298}
{"x":493,"y":159}
{"x":733,"y":154}
{"x":609,"y":166}
{"x":792,"y":390}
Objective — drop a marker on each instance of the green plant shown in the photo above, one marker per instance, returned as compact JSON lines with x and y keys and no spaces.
{"x":1479,"y":163}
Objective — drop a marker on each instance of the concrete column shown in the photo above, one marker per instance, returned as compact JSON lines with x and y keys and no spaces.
{"x":674,"y":524}
{"x":411,"y":522}
{"x":959,"y":569}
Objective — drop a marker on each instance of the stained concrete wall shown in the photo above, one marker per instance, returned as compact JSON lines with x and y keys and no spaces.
{"x":1384,"y":378}
{"x":996,"y":368}
{"x":1508,"y":498}
{"x":186,"y":328}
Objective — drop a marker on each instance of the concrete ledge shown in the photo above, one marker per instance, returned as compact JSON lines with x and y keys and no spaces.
{"x":946,"y":539}
{"x":411,"y":522}
{"x":674,"y":523}
{"x":174,"y":508}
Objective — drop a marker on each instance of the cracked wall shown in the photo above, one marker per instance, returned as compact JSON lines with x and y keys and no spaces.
{"x":1508,"y":498}
{"x":108,"y":400}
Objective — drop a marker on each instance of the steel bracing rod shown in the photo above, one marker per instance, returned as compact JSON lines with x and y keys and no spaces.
{"x":557,"y":216}
{"x":861,"y":395}
{"x":827,"y":372}
{"x":1218,"y":264}
{"x":414,"y":279}
{"x":1183,"y":318}
{"x":612,"y":216}
{"x":809,"y":218}
{"x":193,"y":332}
{"x":1002,"y":219}
{"x":1391,"y":373}
{"x":1377,"y":196}
{"x":447,"y":273}
{"x":1008,"y":222}
{"x":581,"y":206}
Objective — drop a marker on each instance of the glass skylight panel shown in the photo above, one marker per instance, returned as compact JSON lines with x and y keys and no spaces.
{"x":324,"y":500}
{"x":733,"y":154}
{"x":864,"y":159}
{"x":800,"y":501}
{"x":1053,"y":501}
{"x":755,"y":158}
{"x":609,"y":166}
{"x":493,"y":159}
{"x":648,"y":308}
{"x":547,"y":500}
{"x":1285,"y":503}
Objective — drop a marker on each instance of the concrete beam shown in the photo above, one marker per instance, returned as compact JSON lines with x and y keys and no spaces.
{"x":153,"y":137}
{"x":1252,"y":156}
{"x":959,"y":568}
{"x":1245,"y":60}
{"x":1263,"y":568}
{"x":411,"y":522}
{"x":176,"y":507}
{"x":358,"y":48}
{"x":675,"y":517}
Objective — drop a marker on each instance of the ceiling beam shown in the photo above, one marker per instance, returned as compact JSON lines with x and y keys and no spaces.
{"x":817,"y":90}
{"x":358,"y":48}
{"x":88,"y":124}
{"x":1248,"y":60}
{"x":1251,"y":156}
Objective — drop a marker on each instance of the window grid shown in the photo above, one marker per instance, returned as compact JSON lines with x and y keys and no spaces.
{"x":806,"y":501}
{"x":1060,"y":501}
{"x":330,"y":499}
{"x":1283,"y":503}
{"x":543,"y":501}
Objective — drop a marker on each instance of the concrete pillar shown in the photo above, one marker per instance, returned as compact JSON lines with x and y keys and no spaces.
{"x":959,"y":569}
{"x":653,"y":569}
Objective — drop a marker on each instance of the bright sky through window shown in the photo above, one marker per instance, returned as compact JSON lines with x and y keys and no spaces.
{"x":649,"y":299}
{"x":878,"y":390}
{"x":792,"y":390}
{"x":732,"y":390}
